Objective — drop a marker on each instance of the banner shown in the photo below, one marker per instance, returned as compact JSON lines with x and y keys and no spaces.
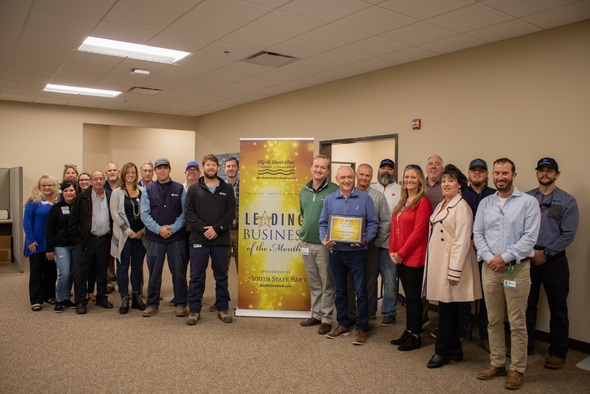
{"x":272,"y":280}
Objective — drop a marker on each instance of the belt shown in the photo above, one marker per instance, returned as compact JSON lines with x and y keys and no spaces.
{"x":521,"y":261}
{"x":99,"y":236}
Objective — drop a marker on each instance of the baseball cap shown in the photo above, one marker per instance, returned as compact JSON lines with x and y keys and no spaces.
{"x":547,"y":162}
{"x":478,"y":163}
{"x":387,"y":162}
{"x":161,"y":162}
{"x":192,"y":164}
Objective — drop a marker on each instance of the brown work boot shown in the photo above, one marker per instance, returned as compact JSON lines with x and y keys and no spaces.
{"x":213,"y":308}
{"x":312,"y":321}
{"x":514,"y":381}
{"x":554,"y":362}
{"x":360,"y":338}
{"x":181,"y":311}
{"x":324,"y":328}
{"x":338,"y":332}
{"x":149,"y":312}
{"x":491,"y":373}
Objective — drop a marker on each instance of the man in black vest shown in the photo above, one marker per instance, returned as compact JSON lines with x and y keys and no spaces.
{"x":210,"y":211}
{"x":163,"y":215}
{"x":90,"y":228}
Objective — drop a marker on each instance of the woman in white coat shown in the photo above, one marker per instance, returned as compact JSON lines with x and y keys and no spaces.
{"x":128,"y":243}
{"x":451,"y":274}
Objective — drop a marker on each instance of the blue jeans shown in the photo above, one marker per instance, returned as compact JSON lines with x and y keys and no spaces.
{"x":341,"y":264}
{"x":199,"y":262}
{"x":64,"y":262}
{"x":177,"y":262}
{"x":388,"y":271}
{"x":133,"y":252}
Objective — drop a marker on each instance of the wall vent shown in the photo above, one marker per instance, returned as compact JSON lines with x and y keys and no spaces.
{"x":144,"y":91}
{"x":269,"y":59}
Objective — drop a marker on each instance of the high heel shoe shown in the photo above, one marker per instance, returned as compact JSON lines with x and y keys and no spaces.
{"x":438,"y":361}
{"x":401,"y":339}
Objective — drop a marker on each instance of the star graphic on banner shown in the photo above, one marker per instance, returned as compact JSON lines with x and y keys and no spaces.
{"x":263,"y":220}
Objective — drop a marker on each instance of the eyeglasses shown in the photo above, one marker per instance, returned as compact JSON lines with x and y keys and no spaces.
{"x":101,"y":179}
{"x":192,"y":171}
{"x":69,"y":166}
{"x":84,"y":180}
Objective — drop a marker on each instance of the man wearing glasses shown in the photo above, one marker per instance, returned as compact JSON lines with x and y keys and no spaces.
{"x":147,"y":173}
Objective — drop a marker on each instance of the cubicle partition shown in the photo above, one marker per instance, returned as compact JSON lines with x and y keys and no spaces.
{"x":11,"y":199}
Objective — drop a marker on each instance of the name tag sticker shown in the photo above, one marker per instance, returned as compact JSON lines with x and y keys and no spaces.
{"x":44,"y":202}
{"x":305,"y":251}
{"x":175,"y":195}
{"x":510,"y":284}
{"x":197,"y":246}
{"x":65,"y":210}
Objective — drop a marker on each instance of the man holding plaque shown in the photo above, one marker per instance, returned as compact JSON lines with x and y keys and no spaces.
{"x":314,"y":254}
{"x":347,"y":223}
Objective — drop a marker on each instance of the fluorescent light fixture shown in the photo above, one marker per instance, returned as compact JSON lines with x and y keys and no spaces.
{"x":140,"y":71}
{"x":130,"y":50}
{"x":81,"y":91}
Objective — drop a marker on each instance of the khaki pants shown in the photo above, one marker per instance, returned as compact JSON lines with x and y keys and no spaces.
{"x":321,"y":282}
{"x":499,"y":300}
{"x":233,"y":246}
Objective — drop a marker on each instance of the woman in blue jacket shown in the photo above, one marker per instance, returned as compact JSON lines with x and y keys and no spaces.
{"x":43,"y":274}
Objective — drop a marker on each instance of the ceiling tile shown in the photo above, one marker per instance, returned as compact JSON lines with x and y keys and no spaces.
{"x":253,"y":38}
{"x":374,"y":63}
{"x":424,"y":9}
{"x":331,"y":75}
{"x":138,"y":16}
{"x":452,"y":44}
{"x":33,"y":60}
{"x":25,"y":3}
{"x":268,"y":3}
{"x":325,"y":10}
{"x":210,"y":98}
{"x":291,"y":86}
{"x":12,"y":13}
{"x":299,"y":48}
{"x":249,"y":69}
{"x":285,"y":74}
{"x":285,"y":24}
{"x":469,"y":18}
{"x":308,"y":67}
{"x":178,"y":6}
{"x":229,"y":53}
{"x":115,"y":31}
{"x":178,"y":42}
{"x":44,"y":50}
{"x":229,"y":11}
{"x":9,"y":31}
{"x":40,"y":71}
{"x":226,"y":76}
{"x":18,"y":97}
{"x":334,"y":36}
{"x":53,"y":38}
{"x":94,"y":58}
{"x":418,"y":33}
{"x":340,"y":57}
{"x":375,"y":46}
{"x":82,"y":77}
{"x":570,"y":13}
{"x":410,"y":55}
{"x":205,"y":64}
{"x":86,"y":67}
{"x":37,"y":86}
{"x":128,"y":64}
{"x":522,"y":8}
{"x":7,"y":45}
{"x":235,"y":89}
{"x":35,"y":92}
{"x":502,"y":31}
{"x":48,"y":20}
{"x":51,"y":100}
{"x":261,"y":82}
{"x":93,"y":9}
{"x":200,"y":28}
{"x":375,"y":20}
{"x":78,"y":102}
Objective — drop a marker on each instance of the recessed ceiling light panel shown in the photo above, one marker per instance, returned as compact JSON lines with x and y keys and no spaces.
{"x":81,"y":91}
{"x":132,"y":51}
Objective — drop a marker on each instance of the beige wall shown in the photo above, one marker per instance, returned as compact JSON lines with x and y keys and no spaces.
{"x":523,"y":98}
{"x":370,"y":152}
{"x":42,"y":138}
{"x":120,"y":144}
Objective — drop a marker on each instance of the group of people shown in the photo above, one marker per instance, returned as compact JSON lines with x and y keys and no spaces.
{"x":78,"y":231}
{"x":450,"y":238}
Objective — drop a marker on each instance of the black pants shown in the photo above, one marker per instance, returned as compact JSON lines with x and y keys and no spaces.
{"x":411,"y":278}
{"x":482,"y":316}
{"x":97,"y":252}
{"x":42,"y":278}
{"x":554,"y":275}
{"x":447,"y":338}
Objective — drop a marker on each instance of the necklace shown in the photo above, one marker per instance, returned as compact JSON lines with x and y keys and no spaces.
{"x":135,"y":209}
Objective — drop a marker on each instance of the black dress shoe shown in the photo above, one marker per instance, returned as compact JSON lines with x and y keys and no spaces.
{"x":410,"y":344}
{"x":438,"y":361}
{"x":80,"y":309}
{"x":104,"y":303}
{"x":401,"y":339}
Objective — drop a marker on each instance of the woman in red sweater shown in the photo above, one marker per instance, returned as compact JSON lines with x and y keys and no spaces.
{"x":407,"y":249}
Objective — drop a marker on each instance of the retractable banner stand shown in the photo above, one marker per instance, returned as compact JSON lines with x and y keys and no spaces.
{"x":272,"y":281}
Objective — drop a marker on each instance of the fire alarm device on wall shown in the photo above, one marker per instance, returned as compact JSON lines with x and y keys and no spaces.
{"x":416,"y":123}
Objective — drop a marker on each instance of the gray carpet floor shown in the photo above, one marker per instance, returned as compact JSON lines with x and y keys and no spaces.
{"x":105,"y":352}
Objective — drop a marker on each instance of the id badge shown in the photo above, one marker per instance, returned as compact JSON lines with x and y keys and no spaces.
{"x":197,"y":245}
{"x":305,"y":251}
{"x":510,"y":284}
{"x":65,"y":210}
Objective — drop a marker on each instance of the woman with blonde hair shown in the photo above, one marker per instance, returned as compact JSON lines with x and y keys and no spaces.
{"x":407,"y":249}
{"x":128,"y":244}
{"x":70,"y":172}
{"x":44,"y":193}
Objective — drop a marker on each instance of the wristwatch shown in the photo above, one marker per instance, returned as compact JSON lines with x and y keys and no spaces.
{"x":546,"y":253}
